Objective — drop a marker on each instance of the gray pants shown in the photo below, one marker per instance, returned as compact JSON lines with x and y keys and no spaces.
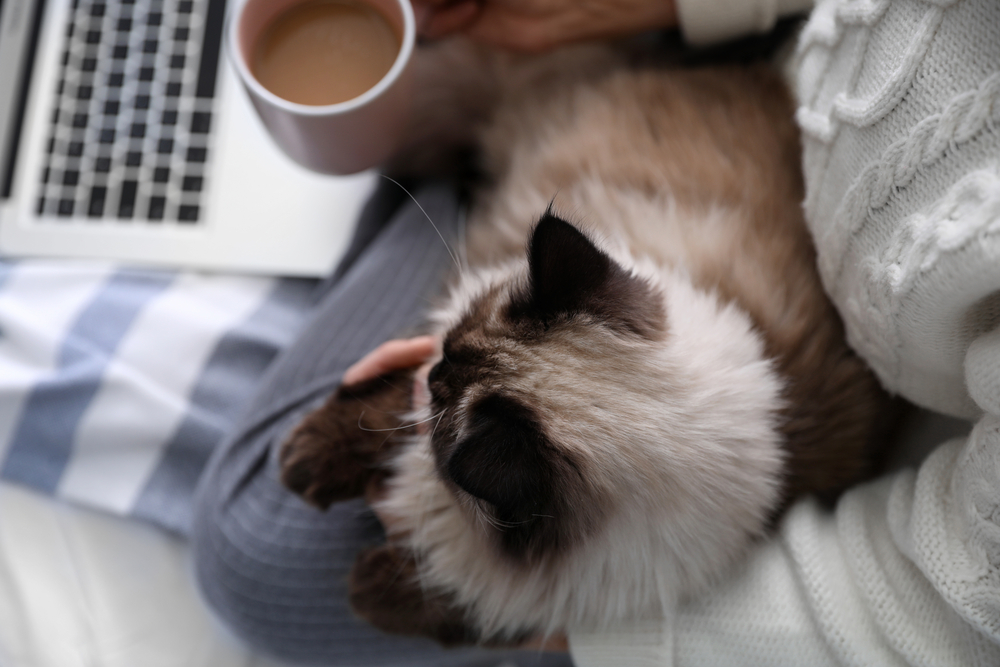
{"x":274,"y":569}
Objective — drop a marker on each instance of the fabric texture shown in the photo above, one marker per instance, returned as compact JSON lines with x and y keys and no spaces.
{"x":274,"y":568}
{"x":116,"y":384}
{"x":900,"y":112}
{"x":706,"y":22}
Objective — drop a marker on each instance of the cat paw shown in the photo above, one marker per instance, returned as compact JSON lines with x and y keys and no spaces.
{"x":339,"y":448}
{"x":385,"y":591}
{"x":319,"y":468}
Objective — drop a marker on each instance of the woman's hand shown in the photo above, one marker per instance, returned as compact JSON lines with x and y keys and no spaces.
{"x":390,"y":356}
{"x":539,"y":25}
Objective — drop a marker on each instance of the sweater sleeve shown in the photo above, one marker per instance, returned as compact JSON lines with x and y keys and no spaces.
{"x":709,"y":21}
{"x":906,"y":571}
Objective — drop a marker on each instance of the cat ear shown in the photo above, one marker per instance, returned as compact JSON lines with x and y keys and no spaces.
{"x":569,"y":274}
{"x":505,"y":460}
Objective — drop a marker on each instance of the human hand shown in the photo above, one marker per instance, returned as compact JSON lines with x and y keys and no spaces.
{"x":539,"y":25}
{"x":390,"y":356}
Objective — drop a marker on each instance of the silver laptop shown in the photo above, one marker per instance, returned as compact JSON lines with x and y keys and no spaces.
{"x":124,"y":135}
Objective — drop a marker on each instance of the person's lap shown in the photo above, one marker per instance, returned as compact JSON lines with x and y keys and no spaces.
{"x":274,"y":568}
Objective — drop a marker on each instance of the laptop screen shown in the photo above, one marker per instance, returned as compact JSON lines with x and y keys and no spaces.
{"x":20,"y":24}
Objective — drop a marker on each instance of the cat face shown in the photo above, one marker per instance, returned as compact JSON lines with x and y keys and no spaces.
{"x":522,"y":384}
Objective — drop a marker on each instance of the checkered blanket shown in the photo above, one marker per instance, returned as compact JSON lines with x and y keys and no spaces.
{"x":116,"y":384}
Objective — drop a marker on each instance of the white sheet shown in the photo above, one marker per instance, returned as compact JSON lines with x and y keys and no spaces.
{"x":80,"y":588}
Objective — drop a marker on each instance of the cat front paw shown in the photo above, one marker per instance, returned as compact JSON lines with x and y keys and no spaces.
{"x":339,"y":448}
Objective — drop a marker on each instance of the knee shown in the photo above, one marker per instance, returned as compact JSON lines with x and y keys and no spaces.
{"x":275,"y":570}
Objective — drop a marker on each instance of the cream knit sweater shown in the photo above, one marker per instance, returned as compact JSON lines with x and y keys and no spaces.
{"x":900,"y":111}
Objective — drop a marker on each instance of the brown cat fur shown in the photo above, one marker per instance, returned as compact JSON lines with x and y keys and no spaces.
{"x":618,"y":416}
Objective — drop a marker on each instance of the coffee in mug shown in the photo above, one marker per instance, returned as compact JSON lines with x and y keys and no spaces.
{"x":330,"y":79}
{"x":325,"y":51}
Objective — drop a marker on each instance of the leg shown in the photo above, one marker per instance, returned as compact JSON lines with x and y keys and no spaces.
{"x":275,"y":569}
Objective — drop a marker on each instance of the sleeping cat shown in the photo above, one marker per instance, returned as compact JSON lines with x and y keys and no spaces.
{"x":638,"y":370}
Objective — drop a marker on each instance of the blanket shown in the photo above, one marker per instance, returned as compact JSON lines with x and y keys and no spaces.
{"x":116,"y":383}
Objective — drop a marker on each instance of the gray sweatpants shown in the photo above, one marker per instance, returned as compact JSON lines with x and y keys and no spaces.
{"x":274,"y":569}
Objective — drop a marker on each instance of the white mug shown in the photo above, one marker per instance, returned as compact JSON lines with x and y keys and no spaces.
{"x":338,"y":139}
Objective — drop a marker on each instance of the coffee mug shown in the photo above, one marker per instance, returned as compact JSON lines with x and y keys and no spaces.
{"x":340,"y":138}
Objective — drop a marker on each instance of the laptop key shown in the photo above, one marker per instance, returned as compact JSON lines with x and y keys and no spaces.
{"x":196,"y":154}
{"x":201,"y":122}
{"x":126,"y":206}
{"x":187,"y":213}
{"x":157,"y":208}
{"x":97,"y":196}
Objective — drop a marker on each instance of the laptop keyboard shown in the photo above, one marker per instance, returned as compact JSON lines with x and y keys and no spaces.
{"x":131,"y":125}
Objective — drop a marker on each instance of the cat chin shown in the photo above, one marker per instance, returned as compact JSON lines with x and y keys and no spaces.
{"x":675,"y":495}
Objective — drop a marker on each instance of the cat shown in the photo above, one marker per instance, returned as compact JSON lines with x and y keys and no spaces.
{"x":639,"y":368}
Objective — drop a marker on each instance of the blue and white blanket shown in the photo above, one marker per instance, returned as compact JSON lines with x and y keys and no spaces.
{"x":116,"y":384}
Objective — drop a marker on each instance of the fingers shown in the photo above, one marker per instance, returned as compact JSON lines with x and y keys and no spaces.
{"x":389,"y":356}
{"x":439,"y":18}
{"x":513,"y":32}
{"x":549,"y":643}
{"x":533,"y":27}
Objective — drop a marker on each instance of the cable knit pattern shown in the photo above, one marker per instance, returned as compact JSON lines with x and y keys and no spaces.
{"x":900,"y":112}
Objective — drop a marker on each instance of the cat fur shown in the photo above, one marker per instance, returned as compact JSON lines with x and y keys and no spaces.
{"x":621,"y":411}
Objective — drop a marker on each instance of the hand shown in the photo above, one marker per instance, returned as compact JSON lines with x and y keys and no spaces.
{"x":539,"y":25}
{"x":390,"y":356}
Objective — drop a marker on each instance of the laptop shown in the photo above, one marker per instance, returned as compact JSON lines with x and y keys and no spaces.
{"x":125,"y":136}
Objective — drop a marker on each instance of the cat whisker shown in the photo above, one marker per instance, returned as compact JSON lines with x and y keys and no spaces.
{"x":439,"y":415}
{"x":487,"y":518}
{"x":451,"y":253}
{"x":396,"y":428}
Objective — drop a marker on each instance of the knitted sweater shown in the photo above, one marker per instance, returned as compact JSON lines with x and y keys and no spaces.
{"x":900,"y":112}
